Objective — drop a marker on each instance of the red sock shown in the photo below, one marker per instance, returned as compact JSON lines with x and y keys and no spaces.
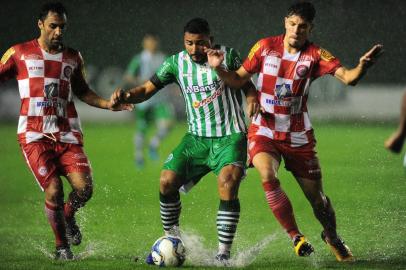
{"x":281,"y":207}
{"x":57,"y":221}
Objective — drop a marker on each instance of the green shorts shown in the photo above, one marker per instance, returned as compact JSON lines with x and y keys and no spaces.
{"x":196,"y":156}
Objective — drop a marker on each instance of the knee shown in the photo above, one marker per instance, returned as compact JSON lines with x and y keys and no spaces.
{"x":168,"y":184}
{"x":54,"y":193}
{"x":269,"y":175}
{"x":85,"y":191}
{"x":229,"y":181}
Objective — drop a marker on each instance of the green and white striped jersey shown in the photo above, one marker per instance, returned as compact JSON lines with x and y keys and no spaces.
{"x":213,"y":109}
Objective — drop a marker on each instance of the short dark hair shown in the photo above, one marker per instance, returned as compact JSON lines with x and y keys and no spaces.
{"x":197,"y":26}
{"x":303,"y":9}
{"x":56,"y":7}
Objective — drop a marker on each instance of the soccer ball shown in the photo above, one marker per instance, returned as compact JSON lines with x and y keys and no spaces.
{"x":168,"y":251}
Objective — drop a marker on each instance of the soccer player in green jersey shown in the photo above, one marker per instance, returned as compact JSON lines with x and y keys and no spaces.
{"x":216,"y":137}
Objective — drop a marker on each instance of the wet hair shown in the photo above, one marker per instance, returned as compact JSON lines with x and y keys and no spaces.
{"x":303,"y":9}
{"x":197,"y":26}
{"x":56,"y":7}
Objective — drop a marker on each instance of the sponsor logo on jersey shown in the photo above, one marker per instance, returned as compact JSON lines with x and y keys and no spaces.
{"x":283,"y":90}
{"x":326,"y":55}
{"x":82,"y":164}
{"x":169,"y":158}
{"x":305,"y":58}
{"x":269,"y":52}
{"x":67,"y":71}
{"x":42,"y":171}
{"x":253,"y":50}
{"x":204,"y":88}
{"x":35,"y":68}
{"x":302,"y":70}
{"x":7,"y":55}
{"x":32,"y":56}
{"x":208,"y":100}
{"x":277,"y":102}
{"x":79,"y":156}
{"x":51,"y":90}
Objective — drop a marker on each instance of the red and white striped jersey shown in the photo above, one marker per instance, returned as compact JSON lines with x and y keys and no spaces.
{"x":45,"y":85}
{"x":283,"y":87}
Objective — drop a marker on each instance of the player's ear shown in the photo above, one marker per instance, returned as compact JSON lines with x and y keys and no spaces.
{"x":40,"y":25}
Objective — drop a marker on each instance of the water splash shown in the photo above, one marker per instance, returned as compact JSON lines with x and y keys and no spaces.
{"x":198,"y":255}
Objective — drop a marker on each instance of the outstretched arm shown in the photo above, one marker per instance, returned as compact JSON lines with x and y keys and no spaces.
{"x":87,"y":95}
{"x":352,"y":76}
{"x":235,"y":79}
{"x":134,"y":95}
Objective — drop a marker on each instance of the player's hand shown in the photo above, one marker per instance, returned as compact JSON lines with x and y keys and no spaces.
{"x":214,"y":57}
{"x":122,"y":107}
{"x":118,"y":101}
{"x":253,"y":108}
{"x":371,"y":56}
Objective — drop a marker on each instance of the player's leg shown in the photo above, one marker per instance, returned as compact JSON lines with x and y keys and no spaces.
{"x":180,"y":168}
{"x":324,"y":212}
{"x":54,"y":213}
{"x":40,"y":158}
{"x":82,"y":190}
{"x":169,"y":201}
{"x":265,"y":156}
{"x":75,"y":166}
{"x":228,"y":214}
{"x":227,"y":158}
{"x":163,"y":115}
{"x":395,"y":142}
{"x":141,"y":126}
{"x":267,"y":165}
{"x":304,"y":164}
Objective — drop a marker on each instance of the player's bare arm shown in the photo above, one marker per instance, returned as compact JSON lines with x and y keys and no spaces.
{"x":352,"y":76}
{"x":135,"y":95}
{"x":82,"y":90}
{"x":235,"y":79}
{"x":253,"y":107}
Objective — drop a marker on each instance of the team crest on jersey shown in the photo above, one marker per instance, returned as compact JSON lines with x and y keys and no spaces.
{"x":254,"y":49}
{"x":7,"y":55}
{"x":283,"y":90}
{"x":302,"y":70}
{"x":51,"y":90}
{"x":326,"y":55}
{"x":42,"y":171}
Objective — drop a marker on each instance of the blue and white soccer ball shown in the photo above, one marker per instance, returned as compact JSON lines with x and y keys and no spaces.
{"x":168,"y":251}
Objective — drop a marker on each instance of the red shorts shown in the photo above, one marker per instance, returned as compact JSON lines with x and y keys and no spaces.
{"x":47,"y":158}
{"x":301,"y":161}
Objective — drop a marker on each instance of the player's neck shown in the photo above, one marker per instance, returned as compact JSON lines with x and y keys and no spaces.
{"x":43,"y":45}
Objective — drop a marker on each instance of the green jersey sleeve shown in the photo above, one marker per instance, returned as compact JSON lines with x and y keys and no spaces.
{"x":167,"y":72}
{"x":233,"y":59}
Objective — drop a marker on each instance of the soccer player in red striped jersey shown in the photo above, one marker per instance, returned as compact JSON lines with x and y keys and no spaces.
{"x":49,"y":130}
{"x":286,"y":65}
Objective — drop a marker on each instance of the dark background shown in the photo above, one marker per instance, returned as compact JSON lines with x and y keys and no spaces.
{"x":109,"y":32}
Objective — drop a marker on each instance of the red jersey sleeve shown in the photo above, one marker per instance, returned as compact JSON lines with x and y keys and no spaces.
{"x":8,"y":69}
{"x":327,"y":64}
{"x":78,"y":81}
{"x":252,"y":63}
